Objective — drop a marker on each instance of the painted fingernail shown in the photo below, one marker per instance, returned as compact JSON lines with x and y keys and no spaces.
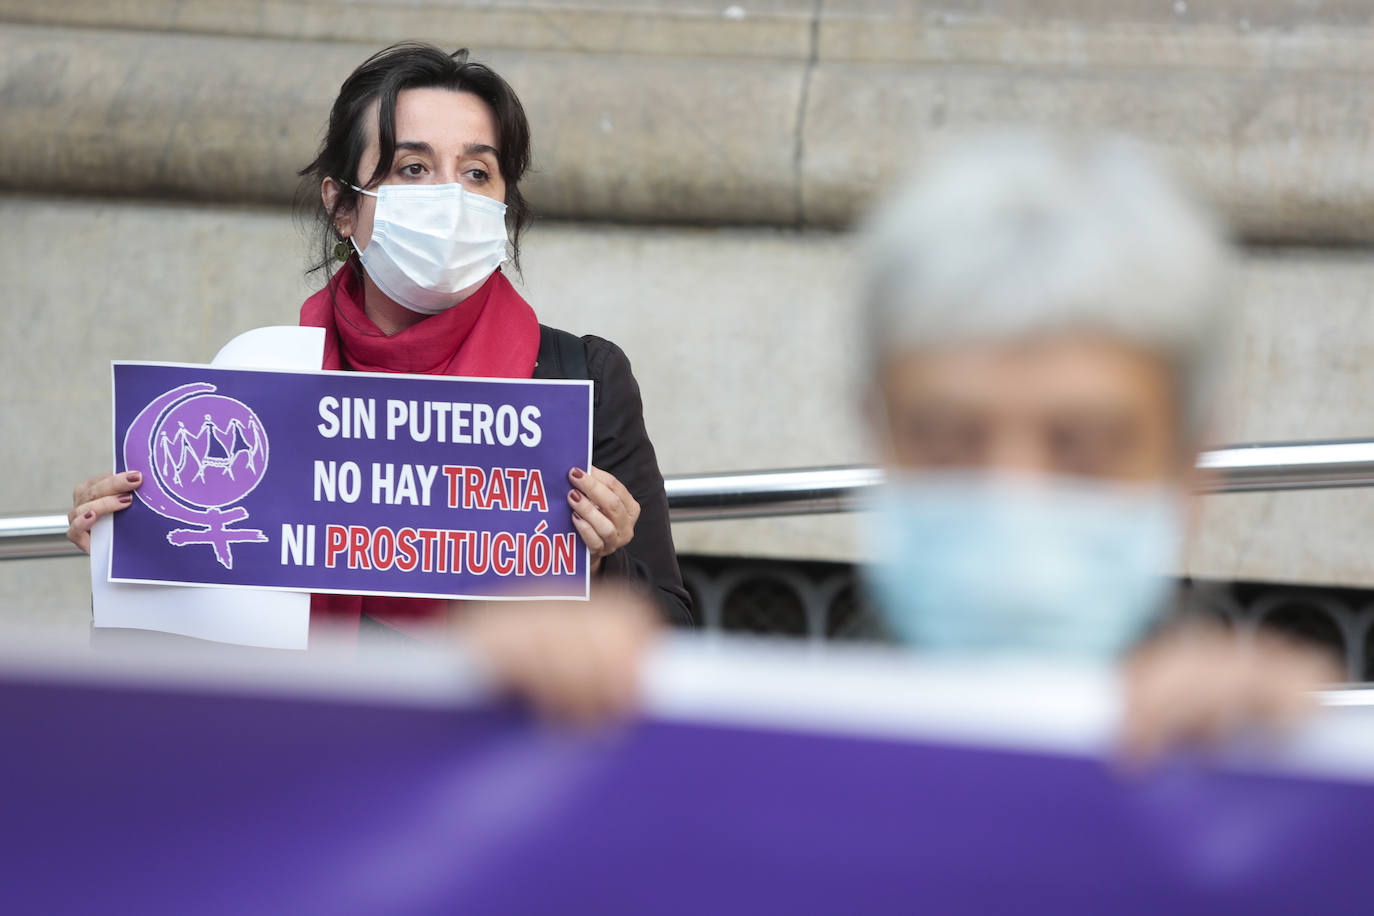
{"x":126,"y":498}
{"x":577,"y":473}
{"x":88,"y":516}
{"x":576,"y":496}
{"x":133,"y":477}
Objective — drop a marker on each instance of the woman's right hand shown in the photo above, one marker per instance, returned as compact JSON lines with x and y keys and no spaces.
{"x":96,"y":497}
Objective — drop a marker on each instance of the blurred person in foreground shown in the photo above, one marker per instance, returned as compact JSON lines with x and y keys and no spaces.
{"x":1043,"y":321}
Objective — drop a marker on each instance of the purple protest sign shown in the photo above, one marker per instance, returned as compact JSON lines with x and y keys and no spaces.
{"x":168,"y":797}
{"x":347,"y":482}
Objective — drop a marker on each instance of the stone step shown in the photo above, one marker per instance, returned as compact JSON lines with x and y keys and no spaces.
{"x":1252,"y":34}
{"x":666,"y":118}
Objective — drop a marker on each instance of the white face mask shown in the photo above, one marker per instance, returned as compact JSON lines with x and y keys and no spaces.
{"x":1065,"y":568}
{"x":431,"y":242}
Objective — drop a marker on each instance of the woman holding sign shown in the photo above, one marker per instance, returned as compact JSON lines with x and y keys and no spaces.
{"x":418,"y":179}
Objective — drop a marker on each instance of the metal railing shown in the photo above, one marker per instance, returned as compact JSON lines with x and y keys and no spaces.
{"x":808,"y":491}
{"x":1235,"y":469}
{"x":30,"y":537}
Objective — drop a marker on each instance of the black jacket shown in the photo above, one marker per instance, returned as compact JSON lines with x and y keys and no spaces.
{"x":621,"y":446}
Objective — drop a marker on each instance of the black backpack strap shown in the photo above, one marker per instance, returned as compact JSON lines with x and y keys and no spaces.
{"x":561,"y":355}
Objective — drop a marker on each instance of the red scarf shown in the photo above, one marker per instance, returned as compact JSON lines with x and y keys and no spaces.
{"x":491,"y":334}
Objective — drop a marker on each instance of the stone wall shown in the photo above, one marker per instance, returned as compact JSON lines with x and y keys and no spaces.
{"x":147,"y":151}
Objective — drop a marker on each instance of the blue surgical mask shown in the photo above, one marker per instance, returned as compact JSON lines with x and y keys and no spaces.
{"x":976,"y":563}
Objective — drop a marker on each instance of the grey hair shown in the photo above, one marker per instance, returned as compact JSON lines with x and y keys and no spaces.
{"x":1017,"y":234}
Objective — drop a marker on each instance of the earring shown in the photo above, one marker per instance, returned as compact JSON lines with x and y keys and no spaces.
{"x":341,"y":250}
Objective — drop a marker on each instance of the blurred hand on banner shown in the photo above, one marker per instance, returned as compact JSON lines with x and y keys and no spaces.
{"x":572,"y":661}
{"x":1203,"y":685}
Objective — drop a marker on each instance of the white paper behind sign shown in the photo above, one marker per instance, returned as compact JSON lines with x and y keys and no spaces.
{"x":249,"y":617}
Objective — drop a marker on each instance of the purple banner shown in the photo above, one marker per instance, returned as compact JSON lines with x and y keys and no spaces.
{"x":350,"y":482}
{"x":147,"y":799}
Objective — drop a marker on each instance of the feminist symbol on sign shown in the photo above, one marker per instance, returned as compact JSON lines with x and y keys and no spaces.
{"x":199,"y":452}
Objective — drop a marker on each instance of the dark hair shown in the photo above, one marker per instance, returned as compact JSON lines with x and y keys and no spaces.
{"x":381,"y":78}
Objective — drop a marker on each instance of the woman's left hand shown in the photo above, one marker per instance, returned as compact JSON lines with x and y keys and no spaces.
{"x":604,"y":512}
